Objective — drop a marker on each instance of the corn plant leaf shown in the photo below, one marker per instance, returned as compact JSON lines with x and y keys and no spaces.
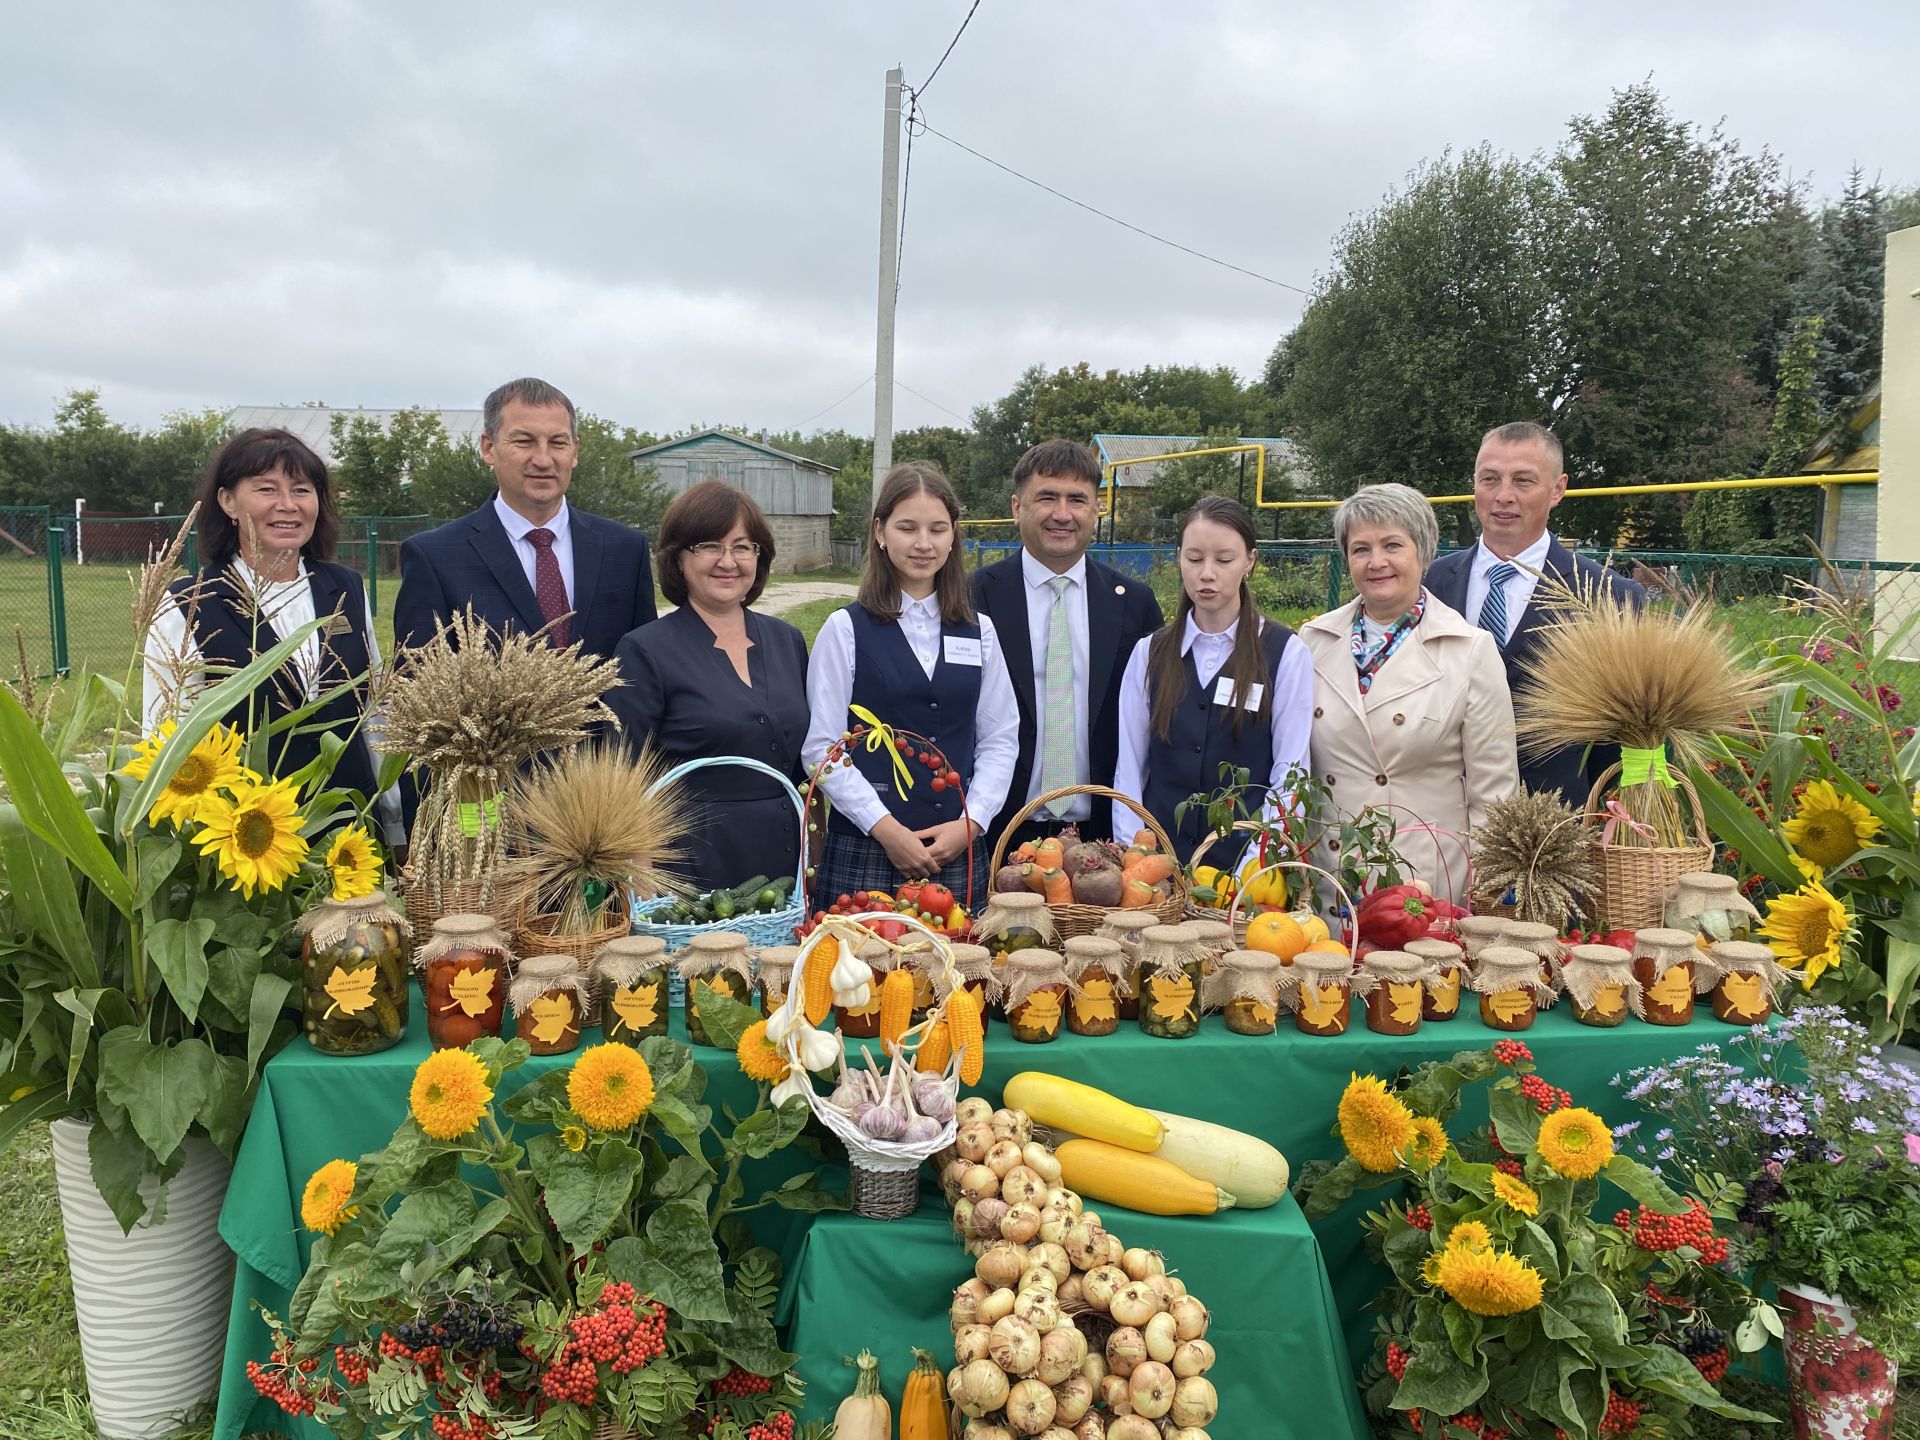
{"x":47,"y":806}
{"x":1760,"y":849}
{"x":45,"y":897}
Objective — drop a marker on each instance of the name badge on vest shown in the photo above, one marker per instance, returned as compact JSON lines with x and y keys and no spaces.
{"x":1223,"y":693}
{"x":962,"y":650}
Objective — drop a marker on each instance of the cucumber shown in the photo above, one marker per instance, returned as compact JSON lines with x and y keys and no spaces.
{"x":743,"y":894}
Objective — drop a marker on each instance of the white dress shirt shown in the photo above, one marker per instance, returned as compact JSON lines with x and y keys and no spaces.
{"x":1040,"y":604}
{"x":173,"y":651}
{"x":1519,"y":587}
{"x":996,"y":718}
{"x":517,"y":526}
{"x":1290,"y":710}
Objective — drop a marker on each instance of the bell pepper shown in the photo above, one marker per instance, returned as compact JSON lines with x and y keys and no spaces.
{"x":957,"y":920}
{"x":1393,"y":915}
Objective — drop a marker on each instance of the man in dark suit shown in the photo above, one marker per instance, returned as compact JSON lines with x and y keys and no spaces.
{"x":1518,"y":477}
{"x":1066,"y":625}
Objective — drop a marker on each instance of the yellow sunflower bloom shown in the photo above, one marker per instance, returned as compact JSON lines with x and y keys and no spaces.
{"x":1829,"y":827}
{"x":192,"y":792}
{"x":1375,"y":1126}
{"x":449,"y":1093}
{"x":354,"y":864}
{"x":1515,"y":1194}
{"x":256,"y":838}
{"x":1429,"y":1146}
{"x":1488,"y":1282}
{"x":1576,"y":1143}
{"x":574,"y":1138}
{"x":1808,"y":930}
{"x":323,"y":1206}
{"x":1470,"y":1235}
{"x":1808,"y":870}
{"x":610,"y":1087}
{"x":758,"y":1059}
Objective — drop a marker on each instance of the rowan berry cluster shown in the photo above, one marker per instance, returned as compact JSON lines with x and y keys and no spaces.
{"x":454,"y":1427}
{"x":1622,"y":1414}
{"x":1420,"y":1218}
{"x":1475,"y":1425}
{"x":1398,"y":1358}
{"x":427,"y":1358}
{"x":1546,"y":1098}
{"x":1512,"y":1052}
{"x":1654,"y":1231}
{"x":1706,"y":1347}
{"x":778,"y":1426}
{"x":283,"y":1384}
{"x":741,"y":1382}
{"x":351,"y":1364}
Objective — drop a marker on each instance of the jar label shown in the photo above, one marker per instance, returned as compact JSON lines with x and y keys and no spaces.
{"x":352,"y":990}
{"x":922,"y":990}
{"x":1673,"y":990}
{"x":1445,"y":998}
{"x":637,"y":1007}
{"x":1172,"y":999}
{"x":1746,"y":995}
{"x":1609,"y":1001}
{"x":1403,"y":1002}
{"x":1262,"y":1013}
{"x":472,"y":991}
{"x":1043,"y":1011}
{"x":1095,"y":1002}
{"x":1323,"y":1006}
{"x":1509,"y":1005}
{"x":552,"y":1017}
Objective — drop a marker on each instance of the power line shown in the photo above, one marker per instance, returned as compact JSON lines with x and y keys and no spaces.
{"x":864,"y":382}
{"x":933,"y":402}
{"x":1115,"y":219}
{"x":906,"y":189}
{"x":951,"y":43}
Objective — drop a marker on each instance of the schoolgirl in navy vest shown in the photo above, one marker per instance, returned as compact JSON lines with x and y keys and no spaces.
{"x":1221,"y":684}
{"x":266,"y":532}
{"x":911,"y":651}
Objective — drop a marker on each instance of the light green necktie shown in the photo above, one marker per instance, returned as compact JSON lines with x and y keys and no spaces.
{"x":1057,"y":742}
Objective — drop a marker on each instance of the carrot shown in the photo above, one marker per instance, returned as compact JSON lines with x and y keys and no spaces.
{"x":1023,"y":853}
{"x":1056,"y":886}
{"x":1036,"y":877}
{"x":1152,"y":868}
{"x":1145,"y":840}
{"x":1049,"y":853}
{"x":1138,"y":895}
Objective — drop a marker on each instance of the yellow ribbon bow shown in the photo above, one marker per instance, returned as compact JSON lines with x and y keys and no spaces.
{"x":881,"y":734}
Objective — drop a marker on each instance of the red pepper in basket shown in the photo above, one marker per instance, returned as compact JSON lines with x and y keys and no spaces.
{"x":1392,"y":916}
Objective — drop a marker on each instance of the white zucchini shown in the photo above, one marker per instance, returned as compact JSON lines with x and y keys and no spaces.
{"x":1248,"y":1168}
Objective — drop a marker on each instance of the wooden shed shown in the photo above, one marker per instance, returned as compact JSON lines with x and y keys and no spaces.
{"x":796,"y":493}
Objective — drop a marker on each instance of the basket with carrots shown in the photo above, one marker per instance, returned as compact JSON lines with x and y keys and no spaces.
{"x":1083,"y":880}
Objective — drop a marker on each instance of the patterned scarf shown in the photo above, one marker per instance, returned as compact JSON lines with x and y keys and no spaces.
{"x":1369,"y":662}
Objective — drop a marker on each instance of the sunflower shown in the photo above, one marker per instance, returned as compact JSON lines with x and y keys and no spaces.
{"x":1429,"y":1145}
{"x":1576,"y":1143}
{"x":256,"y":839}
{"x":449,"y":1093}
{"x":574,"y":1138}
{"x":1470,"y":1235}
{"x":1808,"y":930}
{"x":1515,"y":1194}
{"x":323,"y":1206}
{"x":1808,"y":870}
{"x":758,"y":1059}
{"x":1829,"y":827}
{"x":1375,"y":1126}
{"x":192,"y":792}
{"x":1488,"y":1282}
{"x":610,"y":1087}
{"x":353,"y":863}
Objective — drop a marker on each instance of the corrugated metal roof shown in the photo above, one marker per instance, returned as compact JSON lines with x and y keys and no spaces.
{"x":314,"y":423}
{"x":738,"y":439}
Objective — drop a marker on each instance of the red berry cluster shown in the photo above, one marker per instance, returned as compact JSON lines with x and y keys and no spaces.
{"x":283,"y":1384}
{"x":1508,"y":1166}
{"x":614,"y":1334}
{"x":1622,"y":1414}
{"x":572,"y":1377}
{"x":1546,"y":1098}
{"x":1657,"y":1296}
{"x":351,"y":1364}
{"x":1475,"y":1425}
{"x":1712,"y":1366}
{"x":1397,"y":1360}
{"x":777,"y":1426}
{"x":1654,"y":1231}
{"x":1512,"y":1052}
{"x":1420,"y":1218}
{"x":453,"y":1427}
{"x":741,"y":1382}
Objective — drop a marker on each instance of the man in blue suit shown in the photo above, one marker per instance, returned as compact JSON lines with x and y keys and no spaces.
{"x":1518,"y":477}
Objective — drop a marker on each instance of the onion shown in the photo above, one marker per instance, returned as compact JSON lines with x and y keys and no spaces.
{"x":1070,"y":1291}
{"x":1100,"y":1285}
{"x":1055,"y":1258}
{"x":952,"y":1174}
{"x":1014,"y":1124}
{"x":983,"y":1387}
{"x":963,"y":1215}
{"x":979,"y":1183}
{"x":1160,"y":1337}
{"x":954,"y":1377}
{"x":1094,"y":1367}
{"x":1019,"y":1223}
{"x":1072,"y":1397}
{"x":1081,"y":1242}
{"x":1193,"y":1357}
{"x":1194,"y":1402}
{"x":997,"y":1304}
{"x":1042,"y":1161}
{"x":1054,"y":1222}
{"x":1132,"y":1427}
{"x":1039,"y":1308}
{"x":1151,"y":1389}
{"x":1003,"y":1263}
{"x":1115,"y":1396}
{"x":1036,"y":1277}
{"x":1064,"y":1198}
{"x":1014,"y":1346}
{"x":1055,"y":1431}
{"x":973,"y":1142}
{"x":980,"y":1430}
{"x":1173,"y":1287}
{"x":1002,"y":1156}
{"x":1030,"y":1407}
{"x":1134,"y":1303}
{"x":970,"y":1343}
{"x":1138,"y":1263}
{"x":1059,"y":1357}
{"x":1111,"y":1248}
{"x":1161,"y":1285}
{"x":974,"y":1110}
{"x":1188,"y":1432}
{"x":1126,"y":1350}
{"x":1091,"y":1427}
{"x":965,"y":1309}
{"x":987,"y":1215}
{"x":1022,"y":1182}
{"x":1190,"y":1315}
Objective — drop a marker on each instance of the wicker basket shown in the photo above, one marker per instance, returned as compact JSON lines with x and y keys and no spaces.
{"x":1071,"y":920}
{"x":1349,"y":927}
{"x":608,"y":1428}
{"x":533,"y":935}
{"x":463,"y":897}
{"x":1228,"y":912}
{"x":775,"y":928}
{"x":1635,"y":880}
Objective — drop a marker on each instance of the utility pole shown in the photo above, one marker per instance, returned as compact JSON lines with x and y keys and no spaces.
{"x":889,"y":284}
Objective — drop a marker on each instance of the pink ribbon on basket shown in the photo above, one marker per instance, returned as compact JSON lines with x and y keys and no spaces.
{"x":1617,"y":815}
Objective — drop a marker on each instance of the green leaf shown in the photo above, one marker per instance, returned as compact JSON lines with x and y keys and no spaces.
{"x":117,"y":1162}
{"x":1585,"y":1312}
{"x":1903,"y":966}
{"x":1463,"y":1333}
{"x":1643,"y":1186}
{"x":1668,"y":1372}
{"x":178,"y":949}
{"x":677,"y":1263}
{"x":44,"y":897}
{"x":229,"y":1098}
{"x":724,"y":1017}
{"x":749,"y":1342}
{"x":389,"y":1172}
{"x":269,"y":998}
{"x":802,"y":1195}
{"x":230,"y":976}
{"x":92,"y":1010}
{"x":586,"y":1190}
{"x":426,"y":1216}
{"x":161,"y":1087}
{"x":670,"y":1061}
{"x":1760,"y":848}
{"x":766,"y":1130}
{"x":683,"y":1176}
{"x":1437,"y":1380}
{"x":48,"y":807}
{"x":156,"y":855}
{"x":685,"y":1123}
{"x":1516,"y":1119}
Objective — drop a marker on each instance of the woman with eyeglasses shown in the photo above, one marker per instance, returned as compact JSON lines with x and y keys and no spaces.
{"x":711,"y":677}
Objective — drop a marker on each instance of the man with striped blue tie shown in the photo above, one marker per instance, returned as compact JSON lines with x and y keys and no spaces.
{"x":1518,"y":477}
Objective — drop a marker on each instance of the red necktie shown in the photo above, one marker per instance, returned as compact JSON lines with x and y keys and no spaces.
{"x":549,"y":589}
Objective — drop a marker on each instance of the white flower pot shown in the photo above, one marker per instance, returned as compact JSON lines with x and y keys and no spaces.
{"x":152,"y":1305}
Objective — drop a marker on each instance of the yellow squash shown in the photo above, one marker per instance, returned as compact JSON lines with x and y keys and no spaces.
{"x":1062,"y":1104}
{"x":1106,"y":1173}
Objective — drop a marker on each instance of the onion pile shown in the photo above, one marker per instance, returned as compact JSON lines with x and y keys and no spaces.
{"x":1063,"y":1333}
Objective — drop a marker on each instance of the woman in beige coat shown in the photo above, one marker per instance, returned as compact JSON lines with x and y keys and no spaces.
{"x":1411,"y":709}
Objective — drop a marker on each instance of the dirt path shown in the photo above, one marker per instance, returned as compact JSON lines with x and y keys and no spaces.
{"x":778,"y":599}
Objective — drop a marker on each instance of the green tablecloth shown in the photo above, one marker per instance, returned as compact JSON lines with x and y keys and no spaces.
{"x":1282,"y":1088}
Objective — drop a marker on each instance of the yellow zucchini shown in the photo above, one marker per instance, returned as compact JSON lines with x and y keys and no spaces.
{"x":1099,"y":1171}
{"x":1062,"y":1104}
{"x":1251,"y":1169}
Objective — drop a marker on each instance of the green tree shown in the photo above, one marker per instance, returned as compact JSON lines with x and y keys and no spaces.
{"x":449,"y":479}
{"x":606,"y":481}
{"x":1849,"y":282}
{"x":373,"y":464}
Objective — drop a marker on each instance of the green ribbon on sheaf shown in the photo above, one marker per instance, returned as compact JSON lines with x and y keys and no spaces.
{"x":1637,"y":767}
{"x":475,"y":814}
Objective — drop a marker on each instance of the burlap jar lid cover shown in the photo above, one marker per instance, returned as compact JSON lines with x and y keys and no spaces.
{"x":327,"y":923}
{"x":1016,"y":910}
{"x":1592,"y":968}
{"x":1083,"y":951}
{"x":623,"y":960}
{"x":1211,"y":934}
{"x":1398,"y":966}
{"x":1542,"y":939}
{"x":539,"y":974}
{"x":1031,"y":970}
{"x":1705,"y":891}
{"x":1743,"y":957}
{"x":464,"y":932}
{"x":1443,"y":955}
{"x":974,"y":965}
{"x":1243,"y":975}
{"x":1476,"y":932}
{"x":776,"y":962}
{"x":1508,"y":967}
{"x":878,"y":953}
{"x":1168,"y":949}
{"x":711,"y":953}
{"x":1316,"y":967}
{"x":1128,"y":925}
{"x":1665,"y":948}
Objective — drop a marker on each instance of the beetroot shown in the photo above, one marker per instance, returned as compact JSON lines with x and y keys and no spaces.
{"x":1101,"y":885}
{"x":1010,"y":878}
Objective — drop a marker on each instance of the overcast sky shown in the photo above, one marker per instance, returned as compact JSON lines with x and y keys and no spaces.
{"x":671,"y":211}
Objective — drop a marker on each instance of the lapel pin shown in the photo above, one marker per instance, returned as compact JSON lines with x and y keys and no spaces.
{"x":1119,"y":589}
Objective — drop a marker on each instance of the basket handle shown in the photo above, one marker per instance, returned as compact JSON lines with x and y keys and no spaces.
{"x":1025,"y":813}
{"x":1352,"y":926}
{"x":1423,"y":826}
{"x":1596,"y":812}
{"x":703,"y":762}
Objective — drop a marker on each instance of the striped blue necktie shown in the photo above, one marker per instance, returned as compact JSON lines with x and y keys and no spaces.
{"x":1493,"y":611}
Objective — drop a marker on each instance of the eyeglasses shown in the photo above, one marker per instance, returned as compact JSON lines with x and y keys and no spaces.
{"x":742,"y":550}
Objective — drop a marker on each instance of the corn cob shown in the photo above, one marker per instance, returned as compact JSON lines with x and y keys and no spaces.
{"x":966,"y":1034}
{"x":819,"y":979}
{"x":896,"y":1006}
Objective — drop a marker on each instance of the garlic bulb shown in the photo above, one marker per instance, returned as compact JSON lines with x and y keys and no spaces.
{"x":818,"y":1051}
